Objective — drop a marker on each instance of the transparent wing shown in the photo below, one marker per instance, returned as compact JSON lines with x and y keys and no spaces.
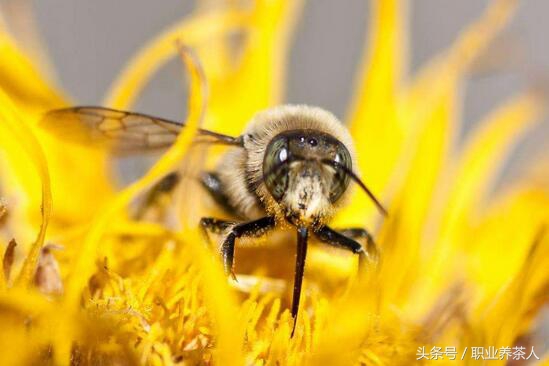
{"x":128,"y":132}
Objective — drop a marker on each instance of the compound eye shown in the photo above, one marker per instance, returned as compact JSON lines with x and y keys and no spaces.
{"x":275,"y":167}
{"x":340,"y":180}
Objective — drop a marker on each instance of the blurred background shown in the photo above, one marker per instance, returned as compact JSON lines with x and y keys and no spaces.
{"x":89,"y":42}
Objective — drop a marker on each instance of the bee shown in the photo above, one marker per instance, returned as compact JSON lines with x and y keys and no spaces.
{"x":292,"y":166}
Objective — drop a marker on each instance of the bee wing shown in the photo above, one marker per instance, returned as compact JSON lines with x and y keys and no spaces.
{"x":128,"y":132}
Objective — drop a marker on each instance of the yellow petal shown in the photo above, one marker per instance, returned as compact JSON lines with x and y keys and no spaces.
{"x":22,"y":146}
{"x":484,"y":155}
{"x":372,"y":119}
{"x":501,"y":320}
{"x":482,"y":158}
{"x":22,"y":81}
{"x":429,"y":115}
{"x":395,"y":132}
{"x":503,"y":238}
{"x":156,"y":53}
{"x":411,"y":205}
{"x":69,"y":165}
{"x":257,"y":82}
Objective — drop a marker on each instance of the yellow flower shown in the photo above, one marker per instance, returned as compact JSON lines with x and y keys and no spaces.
{"x":459,"y":267}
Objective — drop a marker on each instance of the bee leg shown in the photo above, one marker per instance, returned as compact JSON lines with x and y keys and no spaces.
{"x":165,"y":186}
{"x":215,"y":226}
{"x":247,"y":229}
{"x":211,"y":182}
{"x":302,"y":236}
{"x":359,"y":233}
{"x":332,"y":237}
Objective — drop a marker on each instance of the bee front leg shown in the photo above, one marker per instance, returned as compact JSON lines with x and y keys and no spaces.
{"x":214,"y":226}
{"x":337,"y":239}
{"x":247,"y":229}
{"x":361,"y":234}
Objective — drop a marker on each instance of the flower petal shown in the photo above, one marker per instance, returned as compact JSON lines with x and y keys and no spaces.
{"x":138,"y":72}
{"x":18,"y":137}
{"x":373,"y":118}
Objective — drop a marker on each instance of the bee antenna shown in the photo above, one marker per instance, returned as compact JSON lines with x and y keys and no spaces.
{"x":350,"y":173}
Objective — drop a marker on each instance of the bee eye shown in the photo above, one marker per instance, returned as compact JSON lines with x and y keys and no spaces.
{"x":275,"y":171}
{"x":340,"y":180}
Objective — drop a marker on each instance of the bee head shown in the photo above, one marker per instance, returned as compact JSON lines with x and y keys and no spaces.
{"x":306,"y":172}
